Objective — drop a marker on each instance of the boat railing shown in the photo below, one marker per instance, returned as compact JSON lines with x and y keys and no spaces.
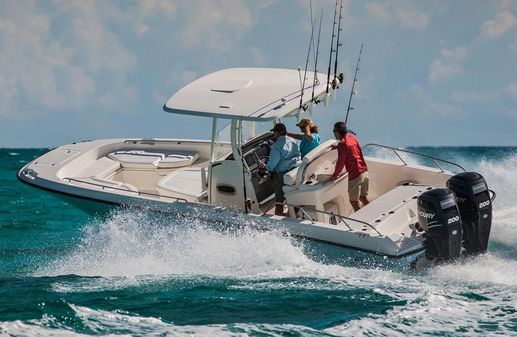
{"x":103,"y":187}
{"x":397,"y":152}
{"x":166,"y":141}
{"x":344,"y":219}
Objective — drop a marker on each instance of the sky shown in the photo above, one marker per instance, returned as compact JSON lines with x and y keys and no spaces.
{"x":433,"y":72}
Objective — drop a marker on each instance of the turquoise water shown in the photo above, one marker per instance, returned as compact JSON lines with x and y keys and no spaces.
{"x":64,"y":273}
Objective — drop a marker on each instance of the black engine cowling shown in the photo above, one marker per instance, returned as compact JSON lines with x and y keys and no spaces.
{"x":475,"y":206}
{"x":439,"y":216}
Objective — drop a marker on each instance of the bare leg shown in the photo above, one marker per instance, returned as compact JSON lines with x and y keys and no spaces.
{"x":279,"y":209}
{"x":364,"y":201}
{"x":296,"y":209}
{"x":356,"y":205}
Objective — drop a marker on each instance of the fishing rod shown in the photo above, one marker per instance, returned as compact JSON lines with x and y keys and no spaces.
{"x":331,"y":47}
{"x":352,"y":92}
{"x":313,"y":24}
{"x":336,"y":77}
{"x":315,"y":80}
{"x":312,"y":21}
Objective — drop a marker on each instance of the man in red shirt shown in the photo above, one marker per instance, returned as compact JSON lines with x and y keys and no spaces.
{"x":351,"y":157}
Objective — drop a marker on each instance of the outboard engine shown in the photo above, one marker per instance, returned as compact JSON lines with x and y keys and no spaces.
{"x":473,"y":198}
{"x":439,"y":216}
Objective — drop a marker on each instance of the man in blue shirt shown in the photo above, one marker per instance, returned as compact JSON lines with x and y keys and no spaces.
{"x":284,"y":156}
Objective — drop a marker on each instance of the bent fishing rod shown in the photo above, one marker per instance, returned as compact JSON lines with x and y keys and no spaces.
{"x":352,"y":92}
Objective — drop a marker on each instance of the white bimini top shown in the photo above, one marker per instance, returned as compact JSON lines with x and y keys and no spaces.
{"x":252,"y":94}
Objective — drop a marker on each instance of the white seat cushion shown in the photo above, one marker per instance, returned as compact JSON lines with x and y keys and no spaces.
{"x":100,"y":168}
{"x":137,"y":158}
{"x":178,"y":159}
{"x":185,"y":182}
{"x":290,"y":177}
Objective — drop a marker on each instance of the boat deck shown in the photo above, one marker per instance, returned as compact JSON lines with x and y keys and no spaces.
{"x":172,"y":174}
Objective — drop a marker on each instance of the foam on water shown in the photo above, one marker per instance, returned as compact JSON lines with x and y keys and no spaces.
{"x":108,"y":323}
{"x":133,"y":243}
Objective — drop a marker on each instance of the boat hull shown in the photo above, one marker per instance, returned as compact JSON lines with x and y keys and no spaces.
{"x":319,"y":248}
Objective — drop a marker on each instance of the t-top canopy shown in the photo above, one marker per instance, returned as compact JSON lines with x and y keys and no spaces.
{"x":252,"y":94}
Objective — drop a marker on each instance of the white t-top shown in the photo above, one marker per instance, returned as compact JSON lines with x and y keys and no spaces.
{"x":252,"y":94}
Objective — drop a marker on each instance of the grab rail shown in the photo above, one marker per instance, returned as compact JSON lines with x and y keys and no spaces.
{"x":121,"y":189}
{"x":434,"y":159}
{"x":341,"y":217}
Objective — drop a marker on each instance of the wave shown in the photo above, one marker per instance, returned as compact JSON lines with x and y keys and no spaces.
{"x":114,"y":323}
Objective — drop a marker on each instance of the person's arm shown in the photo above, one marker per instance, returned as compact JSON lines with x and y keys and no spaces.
{"x":340,"y":164}
{"x":307,"y":132}
{"x":296,"y":150}
{"x":274,"y":159}
{"x":295,"y":135}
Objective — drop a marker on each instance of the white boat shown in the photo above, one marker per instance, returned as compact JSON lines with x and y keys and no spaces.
{"x":216,"y":177}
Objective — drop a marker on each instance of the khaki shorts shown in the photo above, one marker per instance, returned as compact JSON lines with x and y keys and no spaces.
{"x":358,"y":187}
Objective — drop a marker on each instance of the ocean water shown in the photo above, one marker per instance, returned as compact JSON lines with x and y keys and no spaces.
{"x":64,"y":273}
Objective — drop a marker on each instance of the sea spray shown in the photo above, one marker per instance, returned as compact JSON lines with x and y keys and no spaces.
{"x":132,"y":242}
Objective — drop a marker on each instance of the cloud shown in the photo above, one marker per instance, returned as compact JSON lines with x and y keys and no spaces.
{"x":455,"y":54}
{"x":399,"y":12}
{"x":258,"y":56}
{"x":509,"y":114}
{"x":506,"y":3}
{"x":63,"y":55}
{"x":30,"y":59}
{"x":148,"y":8}
{"x":503,"y":22}
{"x":57,"y":57}
{"x":513,"y":45}
{"x":511,"y":89}
{"x":435,"y":109}
{"x":218,"y":24}
{"x":474,"y":96}
{"x":447,"y":65}
{"x":424,"y":104}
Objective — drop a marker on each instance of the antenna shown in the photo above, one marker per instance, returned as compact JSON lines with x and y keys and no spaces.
{"x":313,"y":24}
{"x":352,"y":92}
{"x":340,"y":78}
{"x":315,"y":80}
{"x":331,"y":47}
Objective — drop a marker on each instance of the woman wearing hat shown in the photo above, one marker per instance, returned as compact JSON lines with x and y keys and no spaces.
{"x":309,"y":137}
